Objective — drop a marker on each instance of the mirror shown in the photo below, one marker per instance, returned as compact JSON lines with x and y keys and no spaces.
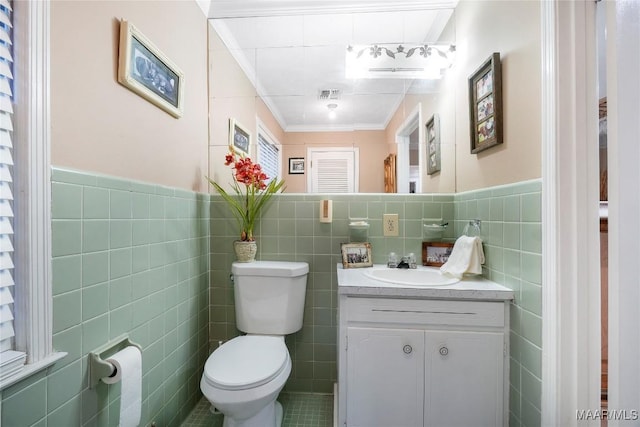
{"x":283,"y":78}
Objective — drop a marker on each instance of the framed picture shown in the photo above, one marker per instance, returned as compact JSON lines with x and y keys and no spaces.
{"x":435,"y":254}
{"x":296,"y":165}
{"x":145,"y":70}
{"x":433,"y":145}
{"x":356,"y":255}
{"x":485,"y":105}
{"x":239,"y":137}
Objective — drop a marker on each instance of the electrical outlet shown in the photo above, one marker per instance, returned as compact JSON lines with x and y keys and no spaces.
{"x":390,"y":225}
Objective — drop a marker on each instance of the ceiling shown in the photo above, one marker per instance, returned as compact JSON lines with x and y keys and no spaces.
{"x":294,"y":50}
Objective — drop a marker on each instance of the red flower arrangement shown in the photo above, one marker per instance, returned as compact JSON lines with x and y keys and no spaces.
{"x":251,"y":191}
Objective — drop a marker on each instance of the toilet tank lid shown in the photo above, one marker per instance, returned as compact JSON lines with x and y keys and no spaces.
{"x":270,"y":268}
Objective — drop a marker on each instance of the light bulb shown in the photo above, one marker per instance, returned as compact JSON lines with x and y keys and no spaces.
{"x":332,"y":110}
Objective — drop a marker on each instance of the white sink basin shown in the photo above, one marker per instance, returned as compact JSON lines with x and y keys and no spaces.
{"x":418,"y":277}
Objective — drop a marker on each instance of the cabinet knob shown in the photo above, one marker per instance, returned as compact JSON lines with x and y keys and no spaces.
{"x":407,"y":349}
{"x":444,"y":351}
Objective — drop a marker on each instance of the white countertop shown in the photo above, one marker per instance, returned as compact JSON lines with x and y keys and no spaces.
{"x":354,"y":282}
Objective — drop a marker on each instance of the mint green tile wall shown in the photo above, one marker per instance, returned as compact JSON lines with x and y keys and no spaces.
{"x":127,"y":258}
{"x":290,"y":230}
{"x":134,"y":258}
{"x":511,"y":231}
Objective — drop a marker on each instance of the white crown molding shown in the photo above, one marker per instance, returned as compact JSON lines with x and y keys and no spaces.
{"x":234,"y":49}
{"x":393,"y":110}
{"x":205,"y":6}
{"x":249,"y":8}
{"x":232,"y":45}
{"x":274,"y":111}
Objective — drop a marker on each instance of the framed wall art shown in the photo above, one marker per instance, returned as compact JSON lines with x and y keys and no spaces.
{"x":433,"y":145}
{"x":435,"y":254}
{"x":145,"y":70}
{"x":239,"y":137}
{"x":356,"y":255}
{"x":485,"y":105}
{"x":296,"y":165}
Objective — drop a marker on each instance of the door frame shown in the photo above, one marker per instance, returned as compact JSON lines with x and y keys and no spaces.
{"x":570,"y":218}
{"x":623,"y":90}
{"x":410,"y":124}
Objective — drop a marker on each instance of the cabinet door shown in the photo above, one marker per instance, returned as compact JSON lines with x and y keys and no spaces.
{"x":385,"y":377}
{"x":464,"y":379}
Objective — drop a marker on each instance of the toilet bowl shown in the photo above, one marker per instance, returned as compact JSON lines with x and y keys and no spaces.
{"x":243,"y":378}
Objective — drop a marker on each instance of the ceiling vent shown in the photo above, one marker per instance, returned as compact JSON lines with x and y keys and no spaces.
{"x":329,"y":94}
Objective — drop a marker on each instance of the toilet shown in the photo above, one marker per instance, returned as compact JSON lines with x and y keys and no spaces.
{"x":243,"y":377}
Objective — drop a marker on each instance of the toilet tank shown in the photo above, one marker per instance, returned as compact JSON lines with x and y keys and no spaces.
{"x":269,"y":296}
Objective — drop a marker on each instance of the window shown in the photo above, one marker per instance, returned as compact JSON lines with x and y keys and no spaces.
{"x":29,"y":178}
{"x":269,"y":153}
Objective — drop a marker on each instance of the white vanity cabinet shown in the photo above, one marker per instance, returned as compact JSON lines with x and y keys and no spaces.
{"x":413,"y":360}
{"x":384,"y":366}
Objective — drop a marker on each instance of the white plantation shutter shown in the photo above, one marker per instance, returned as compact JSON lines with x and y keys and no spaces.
{"x":333,"y":171}
{"x":333,"y":175}
{"x":268,"y":157}
{"x":6,"y":171}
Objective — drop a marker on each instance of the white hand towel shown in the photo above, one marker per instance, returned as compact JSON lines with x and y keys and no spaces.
{"x":467,"y":257}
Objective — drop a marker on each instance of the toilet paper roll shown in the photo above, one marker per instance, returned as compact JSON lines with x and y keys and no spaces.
{"x":128,"y":366}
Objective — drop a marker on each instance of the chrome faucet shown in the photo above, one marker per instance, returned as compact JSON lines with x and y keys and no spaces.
{"x":408,"y":261}
{"x":404,"y":263}
{"x":393,"y":260}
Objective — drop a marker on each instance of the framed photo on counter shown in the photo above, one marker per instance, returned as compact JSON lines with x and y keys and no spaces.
{"x":434,"y":254}
{"x":356,"y":255}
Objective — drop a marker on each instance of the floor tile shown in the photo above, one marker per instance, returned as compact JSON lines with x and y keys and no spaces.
{"x":300,"y":410}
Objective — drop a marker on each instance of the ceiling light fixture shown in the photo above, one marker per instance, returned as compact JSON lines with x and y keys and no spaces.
{"x":418,"y":61}
{"x":332,"y":110}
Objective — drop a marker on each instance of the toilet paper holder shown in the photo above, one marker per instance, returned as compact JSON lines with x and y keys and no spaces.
{"x":100,"y":368}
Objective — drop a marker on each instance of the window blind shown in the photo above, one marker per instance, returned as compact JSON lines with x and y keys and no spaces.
{"x":6,"y":193}
{"x":268,"y":157}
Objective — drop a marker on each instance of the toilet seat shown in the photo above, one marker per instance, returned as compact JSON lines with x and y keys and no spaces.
{"x":246,"y":362}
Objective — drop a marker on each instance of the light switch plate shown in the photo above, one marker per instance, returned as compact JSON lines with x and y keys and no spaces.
{"x":390,"y":225}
